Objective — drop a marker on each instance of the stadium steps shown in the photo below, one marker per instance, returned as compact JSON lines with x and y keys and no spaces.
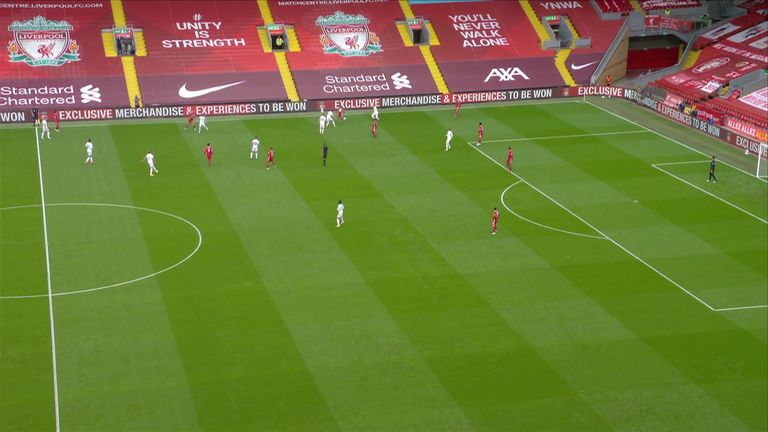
{"x":266,"y":12}
{"x":693,"y":56}
{"x":402,"y":28}
{"x":118,"y":13}
{"x":129,"y":65}
{"x":561,"y":60}
{"x":535,"y":21}
{"x":406,"y":7}
{"x":108,"y":39}
{"x":575,"y":33}
{"x":293,"y":39}
{"x":287,"y":76}
{"x":637,"y":6}
{"x":141,"y":43}
{"x":426,"y":51}
{"x":280,"y":58}
{"x":131,"y":80}
{"x":264,"y":38}
{"x":437,"y":75}
{"x":433,"y":39}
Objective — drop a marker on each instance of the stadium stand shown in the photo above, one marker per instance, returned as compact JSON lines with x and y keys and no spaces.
{"x":194,"y":47}
{"x":583,"y":61}
{"x":615,"y":6}
{"x":352,"y":50}
{"x":56,"y":57}
{"x":729,"y":52}
{"x":654,"y":5}
{"x":489,"y":46}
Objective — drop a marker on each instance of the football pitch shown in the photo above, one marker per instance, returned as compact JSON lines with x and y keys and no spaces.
{"x":622,"y":292}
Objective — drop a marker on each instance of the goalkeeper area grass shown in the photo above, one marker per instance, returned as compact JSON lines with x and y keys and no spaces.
{"x":622,"y":292}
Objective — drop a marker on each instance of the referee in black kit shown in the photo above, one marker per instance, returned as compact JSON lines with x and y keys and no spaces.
{"x":712,"y":166}
{"x":325,"y":153}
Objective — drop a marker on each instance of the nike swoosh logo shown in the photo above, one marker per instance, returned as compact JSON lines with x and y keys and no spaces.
{"x":188,"y":94}
{"x":579,"y":67}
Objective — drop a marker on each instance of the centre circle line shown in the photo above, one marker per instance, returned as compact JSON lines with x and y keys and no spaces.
{"x":104,"y":287}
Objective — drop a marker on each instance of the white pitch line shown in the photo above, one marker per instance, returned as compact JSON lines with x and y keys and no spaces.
{"x":540,"y":224}
{"x":711,"y":194}
{"x":103,"y":287}
{"x":566,"y":136}
{"x":741,"y":308}
{"x":50,"y":290}
{"x":630,"y":253}
{"x":683,"y":163}
{"x":673,"y":140}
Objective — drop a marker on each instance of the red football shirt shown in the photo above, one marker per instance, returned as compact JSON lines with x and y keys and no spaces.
{"x":480,"y":130}
{"x":209,"y":152}
{"x":495,"y":216}
{"x":510,"y":156}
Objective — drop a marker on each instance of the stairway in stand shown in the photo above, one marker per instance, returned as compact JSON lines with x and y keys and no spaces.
{"x":129,"y":65}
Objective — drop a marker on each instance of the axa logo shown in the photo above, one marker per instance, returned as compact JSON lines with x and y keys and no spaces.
{"x":90,"y":93}
{"x":401,"y":81}
{"x":506,"y":74}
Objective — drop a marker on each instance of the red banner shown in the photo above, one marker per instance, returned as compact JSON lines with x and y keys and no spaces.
{"x":667,"y":22}
{"x":746,"y":128}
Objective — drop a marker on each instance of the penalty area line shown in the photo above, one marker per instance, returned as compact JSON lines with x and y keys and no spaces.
{"x":617,"y":244}
{"x":555,"y":137}
{"x":671,"y":139}
{"x":656,"y":166}
{"x":740,"y":308}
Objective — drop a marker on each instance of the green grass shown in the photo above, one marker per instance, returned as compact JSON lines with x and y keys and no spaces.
{"x":411,"y":317}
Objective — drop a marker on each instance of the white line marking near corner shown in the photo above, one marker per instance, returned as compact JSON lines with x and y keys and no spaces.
{"x":573,"y":233}
{"x":50,"y":290}
{"x":555,"y":137}
{"x":710,"y":193}
{"x":672,"y":140}
{"x":630,"y":253}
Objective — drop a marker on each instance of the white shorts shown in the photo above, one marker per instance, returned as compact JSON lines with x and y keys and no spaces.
{"x":340,"y":215}
{"x":89,"y":152}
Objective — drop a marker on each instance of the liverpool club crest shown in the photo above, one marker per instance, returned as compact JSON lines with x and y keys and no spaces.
{"x":39,"y":42}
{"x":347,"y":35}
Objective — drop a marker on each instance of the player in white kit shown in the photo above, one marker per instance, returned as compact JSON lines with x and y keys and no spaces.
{"x":322,"y":124}
{"x":448,"y":138}
{"x":89,"y":151}
{"x":150,"y":158}
{"x":375,"y":113}
{"x":255,"y":148}
{"x":44,"y":124}
{"x":329,"y":118}
{"x":339,"y":214}
{"x":201,"y":123}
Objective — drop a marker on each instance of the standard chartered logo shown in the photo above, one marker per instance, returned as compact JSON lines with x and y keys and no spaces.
{"x":90,"y":93}
{"x":401,"y":81}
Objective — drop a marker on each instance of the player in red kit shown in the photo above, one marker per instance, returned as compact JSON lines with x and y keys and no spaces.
{"x":190,"y":122}
{"x":510,"y":158}
{"x":480,"y":131}
{"x":341,"y":114}
{"x":458,"y":108}
{"x":271,"y":157}
{"x":495,"y":223}
{"x":209,"y":154}
{"x":57,"y":119}
{"x":375,"y":127}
